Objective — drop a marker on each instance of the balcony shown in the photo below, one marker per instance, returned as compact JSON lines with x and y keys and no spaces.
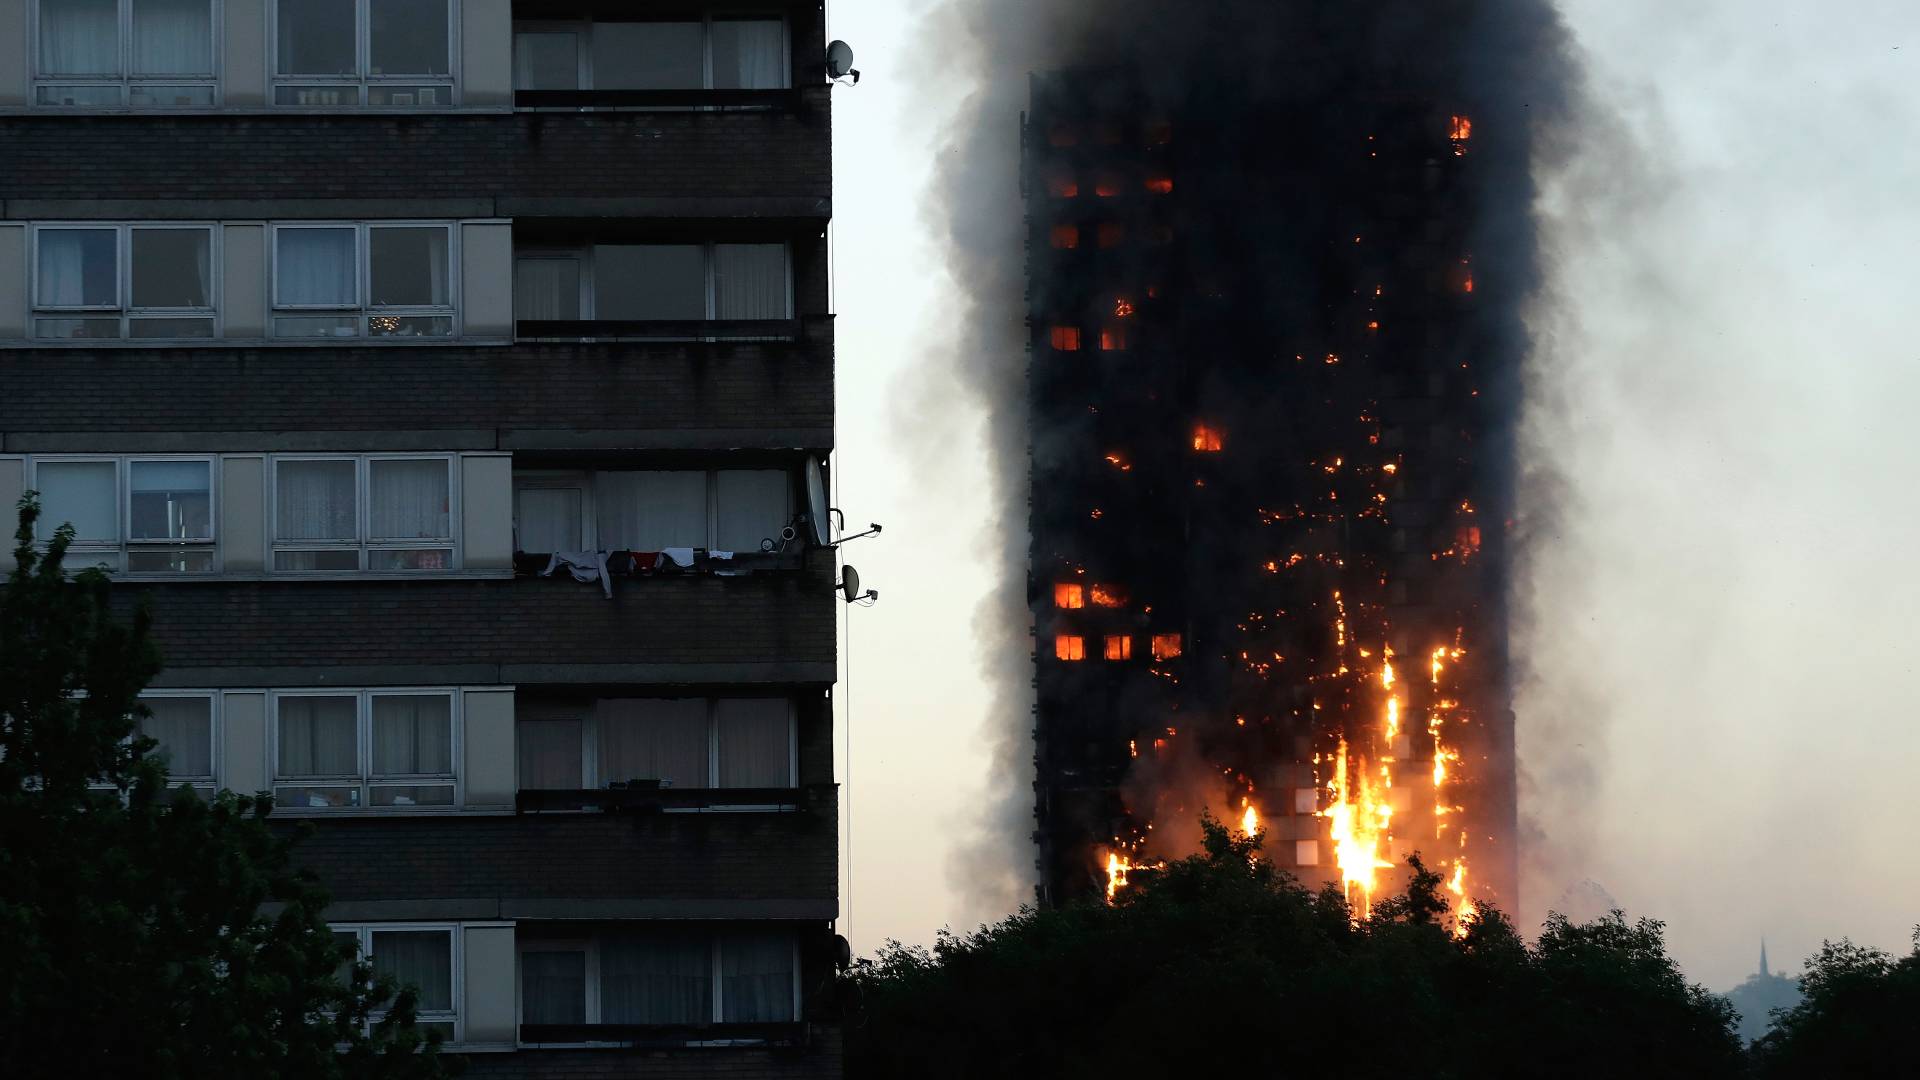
{"x":662,"y":1036}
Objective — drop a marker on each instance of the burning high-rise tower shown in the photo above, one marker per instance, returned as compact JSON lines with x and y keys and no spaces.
{"x":1277,"y":261}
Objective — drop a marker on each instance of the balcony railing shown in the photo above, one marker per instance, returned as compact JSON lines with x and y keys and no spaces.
{"x":666,"y":1035}
{"x":644,"y":800}
{"x":659,"y":329}
{"x":787,"y":98}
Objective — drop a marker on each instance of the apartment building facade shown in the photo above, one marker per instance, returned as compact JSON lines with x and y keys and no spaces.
{"x":329,"y":324}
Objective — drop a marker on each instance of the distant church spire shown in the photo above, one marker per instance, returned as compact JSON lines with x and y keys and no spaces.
{"x":1763,"y":956}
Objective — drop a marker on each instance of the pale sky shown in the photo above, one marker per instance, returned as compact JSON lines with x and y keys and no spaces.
{"x":1721,"y":721}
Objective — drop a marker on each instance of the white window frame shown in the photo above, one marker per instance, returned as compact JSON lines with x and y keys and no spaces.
{"x":582,"y":30}
{"x":583,"y":254}
{"x":124,"y":545}
{"x":127,"y":80}
{"x":364,"y":80}
{"x":364,"y":543}
{"x":455,"y":971}
{"x":591,"y":780}
{"x":122,"y":307}
{"x":366,"y":779}
{"x":592,"y":494}
{"x":716,"y":939}
{"x":363,"y":310}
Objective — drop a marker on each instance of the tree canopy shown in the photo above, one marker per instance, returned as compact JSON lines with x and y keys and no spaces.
{"x":143,"y":931}
{"x":1221,"y":963}
{"x":1856,"y":1016}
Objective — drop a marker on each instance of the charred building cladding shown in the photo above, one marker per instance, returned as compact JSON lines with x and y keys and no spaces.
{"x":329,"y":323}
{"x":1276,"y":269}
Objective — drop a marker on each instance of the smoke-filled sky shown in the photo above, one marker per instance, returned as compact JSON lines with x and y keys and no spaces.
{"x":1719,"y":721}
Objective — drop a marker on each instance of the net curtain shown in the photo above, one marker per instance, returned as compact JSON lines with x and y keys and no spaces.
{"x":654,"y":739}
{"x":318,"y":737}
{"x":756,"y":977}
{"x":172,"y":37}
{"x":408,"y":499}
{"x":412,"y":735}
{"x":665,"y":977}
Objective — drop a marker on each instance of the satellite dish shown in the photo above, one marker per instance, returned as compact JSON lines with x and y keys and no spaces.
{"x":840,"y":61}
{"x":850,"y":583}
{"x":817,"y":503}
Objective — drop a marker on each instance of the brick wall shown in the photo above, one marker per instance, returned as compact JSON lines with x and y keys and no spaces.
{"x":784,"y":153}
{"x":504,"y":396}
{"x":819,"y":1060}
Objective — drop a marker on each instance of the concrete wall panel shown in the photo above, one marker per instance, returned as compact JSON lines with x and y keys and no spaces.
{"x":243,"y":528}
{"x":244,"y":280}
{"x":491,"y":776}
{"x":244,"y":742}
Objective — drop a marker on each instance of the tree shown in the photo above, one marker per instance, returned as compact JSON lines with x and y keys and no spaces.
{"x":145,"y":932}
{"x":1221,"y":964}
{"x":1855,"y":1016}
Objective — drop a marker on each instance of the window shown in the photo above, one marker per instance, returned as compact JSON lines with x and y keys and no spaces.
{"x":350,"y":53}
{"x":182,"y":725}
{"x":1119,"y":647}
{"x":111,"y":53}
{"x":1069,"y":596}
{"x":140,"y":515}
{"x":1069,"y":647}
{"x":1064,"y":338}
{"x":387,"y":749}
{"x":1166,"y":646}
{"x":718,"y":510}
{"x":344,"y":281}
{"x":422,"y":957}
{"x":661,"y":975}
{"x":654,"y":283}
{"x":710,"y":54}
{"x":671,"y":742}
{"x":123,"y":281}
{"x":352,"y":513}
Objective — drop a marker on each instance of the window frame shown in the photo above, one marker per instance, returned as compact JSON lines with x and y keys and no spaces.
{"x":591,"y":780}
{"x":365,"y":544}
{"x":716,"y":938}
{"x":583,"y":255}
{"x":582,"y":30}
{"x":209,"y":784}
{"x":367,"y":780}
{"x":124,"y":545}
{"x":127,"y":80}
{"x":456,"y":974}
{"x":588,"y":482}
{"x":363,"y":81}
{"x":123,"y":308}
{"x":363,"y":310}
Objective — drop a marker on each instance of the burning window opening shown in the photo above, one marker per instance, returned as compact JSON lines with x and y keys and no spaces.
{"x":1113,"y":339}
{"x":1208,"y":440}
{"x":1064,"y":338}
{"x":1063,"y":186}
{"x":1069,"y":647}
{"x":1106,"y":186}
{"x":1166,"y":647}
{"x":1109,"y":596}
{"x":1160,"y":185}
{"x":1065,"y":237}
{"x":1069,"y":596}
{"x":1119,"y":647}
{"x":1460,"y":130}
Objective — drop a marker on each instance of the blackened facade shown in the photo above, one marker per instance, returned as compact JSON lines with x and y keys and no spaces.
{"x":329,"y":324}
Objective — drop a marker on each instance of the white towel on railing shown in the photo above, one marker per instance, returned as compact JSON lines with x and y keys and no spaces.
{"x":681,"y":556}
{"x":584,"y":566}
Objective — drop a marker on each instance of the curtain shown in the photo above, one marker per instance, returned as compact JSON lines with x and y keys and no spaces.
{"x":172,"y":37}
{"x":80,"y":37}
{"x":749,"y":54}
{"x":314,"y":500}
{"x":553,"y":987}
{"x":756,"y":977}
{"x":412,"y":734}
{"x":419,"y":958}
{"x":81,"y":492}
{"x":750,"y":281}
{"x":184,"y":729}
{"x":78,"y":268}
{"x":315,"y":267}
{"x":755,"y":742}
{"x":647,"y":511}
{"x":546,"y":288}
{"x":549,"y":755}
{"x":172,"y":500}
{"x":545,"y":60}
{"x":407,"y":499}
{"x":654,"y":739}
{"x":661,"y":977}
{"x":318,"y":737}
{"x":548,"y":520}
{"x":750,"y":505}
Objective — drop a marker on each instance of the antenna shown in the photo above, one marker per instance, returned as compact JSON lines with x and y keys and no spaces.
{"x":840,"y":62}
{"x":850,"y":588}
